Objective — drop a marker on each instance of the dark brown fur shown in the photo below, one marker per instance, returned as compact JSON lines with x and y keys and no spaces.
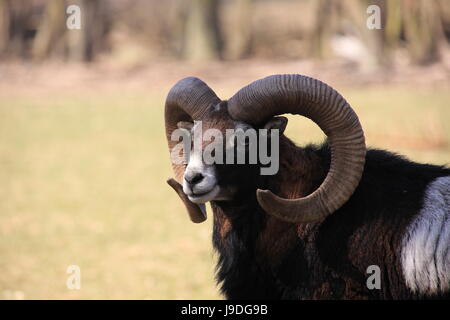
{"x":262,"y":257}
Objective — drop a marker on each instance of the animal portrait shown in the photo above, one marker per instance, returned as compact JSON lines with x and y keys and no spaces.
{"x":312,"y":229}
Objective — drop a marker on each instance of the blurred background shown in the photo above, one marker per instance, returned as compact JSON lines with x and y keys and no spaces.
{"x":83,"y":156}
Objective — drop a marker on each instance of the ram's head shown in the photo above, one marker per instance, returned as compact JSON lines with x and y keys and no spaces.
{"x":194,"y":111}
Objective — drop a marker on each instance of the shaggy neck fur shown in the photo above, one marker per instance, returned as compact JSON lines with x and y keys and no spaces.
{"x":249,"y":252}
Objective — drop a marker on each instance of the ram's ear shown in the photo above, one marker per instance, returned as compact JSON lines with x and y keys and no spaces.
{"x":279,"y":123}
{"x":197,"y":212}
{"x":185,"y":125}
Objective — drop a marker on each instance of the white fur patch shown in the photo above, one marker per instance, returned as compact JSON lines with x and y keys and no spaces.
{"x":426,"y":244}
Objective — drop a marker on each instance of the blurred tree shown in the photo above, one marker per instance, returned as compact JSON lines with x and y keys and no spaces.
{"x":340,"y":28}
{"x":423,"y":30}
{"x":240,"y":44}
{"x":4,"y":26}
{"x":417,"y":25}
{"x":202,"y":37}
{"x":54,"y":39}
{"x":49,"y":38}
{"x":17,"y":27}
{"x":323,"y":12}
{"x":393,"y":26}
{"x":194,"y":30}
{"x":354,"y":12}
{"x":91,"y":39}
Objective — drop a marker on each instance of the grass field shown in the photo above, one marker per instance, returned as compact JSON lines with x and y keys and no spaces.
{"x":82,"y":181}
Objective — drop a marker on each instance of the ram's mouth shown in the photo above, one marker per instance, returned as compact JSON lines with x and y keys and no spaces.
{"x":204,"y":197}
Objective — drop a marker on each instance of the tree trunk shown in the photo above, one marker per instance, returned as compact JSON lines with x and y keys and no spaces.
{"x":202,"y":39}
{"x":50,"y":30}
{"x":355,"y":11}
{"x":423,"y":30}
{"x":240,"y":43}
{"x":4,"y":26}
{"x":84,"y":44}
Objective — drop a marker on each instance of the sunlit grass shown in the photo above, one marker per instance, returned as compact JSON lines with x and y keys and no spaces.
{"x":83,"y":182}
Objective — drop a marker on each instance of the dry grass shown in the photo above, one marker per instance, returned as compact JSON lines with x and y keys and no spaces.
{"x":83,"y":182}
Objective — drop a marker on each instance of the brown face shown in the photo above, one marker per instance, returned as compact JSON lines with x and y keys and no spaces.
{"x":213,"y":171}
{"x":192,"y":99}
{"x":201,"y":182}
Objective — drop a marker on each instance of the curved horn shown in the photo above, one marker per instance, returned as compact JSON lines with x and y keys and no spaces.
{"x":188,"y":100}
{"x":197,"y":212}
{"x":297,"y":94}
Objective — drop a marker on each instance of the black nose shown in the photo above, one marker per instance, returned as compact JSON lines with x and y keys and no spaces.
{"x":194,"y":178}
